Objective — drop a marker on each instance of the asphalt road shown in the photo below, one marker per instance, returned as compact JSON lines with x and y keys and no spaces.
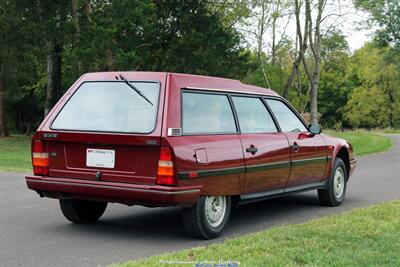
{"x":33,"y":232}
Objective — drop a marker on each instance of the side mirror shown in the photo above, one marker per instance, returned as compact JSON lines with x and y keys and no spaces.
{"x":315,"y":129}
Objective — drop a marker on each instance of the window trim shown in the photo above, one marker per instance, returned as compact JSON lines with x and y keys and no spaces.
{"x":261,"y":98}
{"x":197,"y":91}
{"x":230,"y":94}
{"x":116,"y":81}
{"x":286,"y":103}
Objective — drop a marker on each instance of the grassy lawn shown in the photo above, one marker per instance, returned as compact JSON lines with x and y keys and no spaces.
{"x":390,"y":131}
{"x":364,"y":142}
{"x":15,"y":153}
{"x":364,"y":237}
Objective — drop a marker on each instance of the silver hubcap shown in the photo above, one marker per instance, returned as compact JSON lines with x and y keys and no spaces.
{"x":215,"y":208}
{"x":338,"y":183}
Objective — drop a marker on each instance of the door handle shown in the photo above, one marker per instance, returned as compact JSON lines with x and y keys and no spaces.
{"x":252,"y":149}
{"x":295,"y":147}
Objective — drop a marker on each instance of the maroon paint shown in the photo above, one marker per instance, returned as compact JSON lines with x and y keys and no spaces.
{"x":133,"y":179}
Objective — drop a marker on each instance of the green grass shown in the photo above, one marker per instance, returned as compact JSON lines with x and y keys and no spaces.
{"x":15,"y":153}
{"x":364,"y":237}
{"x":364,"y":142}
{"x":390,"y":131}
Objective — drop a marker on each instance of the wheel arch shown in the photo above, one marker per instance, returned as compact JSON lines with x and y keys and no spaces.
{"x":343,"y":154}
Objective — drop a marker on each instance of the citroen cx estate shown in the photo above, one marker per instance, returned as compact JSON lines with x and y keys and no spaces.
{"x":166,"y":139}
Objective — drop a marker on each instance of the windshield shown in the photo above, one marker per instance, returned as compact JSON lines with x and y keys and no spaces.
{"x":110,"y":107}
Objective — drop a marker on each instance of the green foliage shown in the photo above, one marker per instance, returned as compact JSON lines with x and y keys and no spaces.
{"x":174,"y":36}
{"x":335,"y":86}
{"x":366,"y":108}
{"x":199,"y":37}
{"x":386,"y":15}
{"x":376,"y":97}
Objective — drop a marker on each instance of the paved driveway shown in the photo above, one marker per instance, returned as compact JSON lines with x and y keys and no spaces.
{"x":33,"y":231}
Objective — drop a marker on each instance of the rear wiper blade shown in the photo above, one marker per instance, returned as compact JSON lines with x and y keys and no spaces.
{"x":135,"y":89}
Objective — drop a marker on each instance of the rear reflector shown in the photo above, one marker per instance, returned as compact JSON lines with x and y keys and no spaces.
{"x":40,"y":158}
{"x":166,"y":172}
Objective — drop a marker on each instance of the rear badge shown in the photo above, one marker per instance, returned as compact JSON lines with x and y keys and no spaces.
{"x":98,"y":175}
{"x":151,"y":142}
{"x":50,"y":135}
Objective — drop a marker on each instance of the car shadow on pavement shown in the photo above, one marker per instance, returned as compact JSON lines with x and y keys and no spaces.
{"x":165,"y":224}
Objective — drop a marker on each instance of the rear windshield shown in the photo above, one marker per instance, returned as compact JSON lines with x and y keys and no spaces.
{"x":110,"y":107}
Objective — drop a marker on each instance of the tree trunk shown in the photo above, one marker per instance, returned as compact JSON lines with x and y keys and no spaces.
{"x":315,"y":45}
{"x":274,"y":40}
{"x":261,"y":31}
{"x":75,"y":20}
{"x":295,"y":69}
{"x":53,"y":90}
{"x":314,"y":98}
{"x":302,"y":47}
{"x":77,"y":33}
{"x":3,"y":123}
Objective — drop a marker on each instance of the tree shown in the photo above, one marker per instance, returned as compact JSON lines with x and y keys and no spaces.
{"x":301,"y":47}
{"x":375,"y":101}
{"x":11,"y":43}
{"x":336,"y":82}
{"x":366,"y":108}
{"x":386,"y":15}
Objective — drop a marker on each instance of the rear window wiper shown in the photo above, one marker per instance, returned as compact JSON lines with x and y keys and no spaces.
{"x":135,"y":89}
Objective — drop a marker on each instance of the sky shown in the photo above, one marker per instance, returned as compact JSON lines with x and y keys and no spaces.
{"x":341,"y":14}
{"x":357,"y":33}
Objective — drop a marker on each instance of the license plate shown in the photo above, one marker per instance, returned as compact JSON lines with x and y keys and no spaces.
{"x":102,"y":158}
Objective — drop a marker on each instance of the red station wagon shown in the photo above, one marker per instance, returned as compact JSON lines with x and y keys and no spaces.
{"x":167,"y":139}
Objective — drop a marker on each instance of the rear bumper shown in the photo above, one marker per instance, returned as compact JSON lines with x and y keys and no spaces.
{"x":130,"y":194}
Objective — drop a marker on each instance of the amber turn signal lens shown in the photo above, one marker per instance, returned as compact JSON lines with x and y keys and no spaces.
{"x":40,"y":158}
{"x":165,"y":171}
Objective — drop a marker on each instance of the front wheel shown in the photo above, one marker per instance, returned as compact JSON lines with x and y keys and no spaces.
{"x":337,"y":185}
{"x":82,"y":211}
{"x":208,"y":218}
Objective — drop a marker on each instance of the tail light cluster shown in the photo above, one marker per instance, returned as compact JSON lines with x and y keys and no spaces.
{"x":166,"y":171}
{"x":40,"y":158}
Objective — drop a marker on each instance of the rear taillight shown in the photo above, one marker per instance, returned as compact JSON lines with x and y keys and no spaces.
{"x":40,"y":158}
{"x":166,"y":172}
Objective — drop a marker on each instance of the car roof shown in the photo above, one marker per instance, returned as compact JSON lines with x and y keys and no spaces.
{"x":189,"y":81}
{"x":192,"y":81}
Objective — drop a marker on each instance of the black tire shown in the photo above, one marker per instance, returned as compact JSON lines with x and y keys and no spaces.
{"x":197,"y":224}
{"x":82,"y":211}
{"x":328,"y":197}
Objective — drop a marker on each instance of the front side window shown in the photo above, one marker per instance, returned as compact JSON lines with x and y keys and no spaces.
{"x":288,"y":121}
{"x":253,"y":115}
{"x":206,"y":113}
{"x":110,"y":107}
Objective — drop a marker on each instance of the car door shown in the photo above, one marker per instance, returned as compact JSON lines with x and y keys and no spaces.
{"x":266,"y":150}
{"x":308,"y":152}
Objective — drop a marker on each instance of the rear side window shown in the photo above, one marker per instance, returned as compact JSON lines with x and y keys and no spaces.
{"x":253,"y":115}
{"x":110,"y":107}
{"x":287,"y":119}
{"x":206,"y":113}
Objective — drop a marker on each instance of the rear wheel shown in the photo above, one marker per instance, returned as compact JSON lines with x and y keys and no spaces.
{"x":82,"y":211}
{"x":208,"y":218}
{"x":337,"y":184}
